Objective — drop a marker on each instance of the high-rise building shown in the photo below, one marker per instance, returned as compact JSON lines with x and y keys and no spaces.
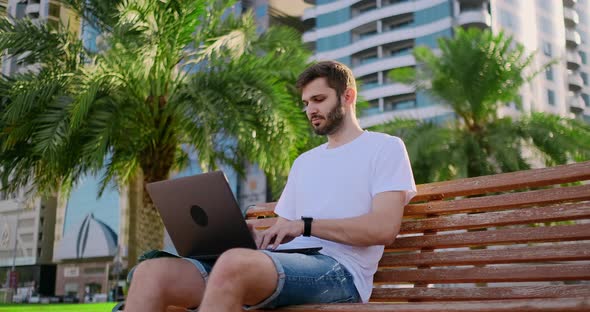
{"x":26,"y":243}
{"x":582,"y":27}
{"x":375,"y":36}
{"x":27,"y":226}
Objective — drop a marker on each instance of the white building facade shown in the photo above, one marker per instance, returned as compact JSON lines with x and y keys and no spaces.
{"x":375,"y":36}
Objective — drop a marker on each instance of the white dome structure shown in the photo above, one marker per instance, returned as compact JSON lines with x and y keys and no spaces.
{"x":91,"y":238}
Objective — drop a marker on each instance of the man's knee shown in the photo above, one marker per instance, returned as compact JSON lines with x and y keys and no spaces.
{"x":234,"y":261}
{"x":155,"y":275}
{"x":239,"y":263}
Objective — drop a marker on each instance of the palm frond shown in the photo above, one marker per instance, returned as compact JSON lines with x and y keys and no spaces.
{"x":29,"y":42}
{"x":558,"y":139}
{"x":98,"y":13}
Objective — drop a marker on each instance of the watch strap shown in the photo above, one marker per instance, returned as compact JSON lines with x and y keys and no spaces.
{"x":307,"y":226}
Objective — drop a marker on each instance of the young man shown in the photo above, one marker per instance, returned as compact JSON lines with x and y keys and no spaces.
{"x":346,"y":196}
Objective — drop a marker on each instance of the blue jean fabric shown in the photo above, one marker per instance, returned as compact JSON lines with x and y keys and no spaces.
{"x":303,"y":279}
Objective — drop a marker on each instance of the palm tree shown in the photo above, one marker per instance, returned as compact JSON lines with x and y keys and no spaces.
{"x":173,"y":77}
{"x":476,"y":73}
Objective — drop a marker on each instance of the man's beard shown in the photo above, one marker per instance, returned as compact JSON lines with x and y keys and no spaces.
{"x":334,"y":121}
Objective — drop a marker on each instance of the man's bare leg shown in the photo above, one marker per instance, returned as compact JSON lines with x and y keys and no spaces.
{"x":159,"y":283}
{"x":240,"y":276}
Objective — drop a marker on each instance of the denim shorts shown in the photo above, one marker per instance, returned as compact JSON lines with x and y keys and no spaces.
{"x":303,"y":279}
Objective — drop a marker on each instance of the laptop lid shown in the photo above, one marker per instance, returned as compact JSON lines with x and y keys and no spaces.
{"x":201,"y":214}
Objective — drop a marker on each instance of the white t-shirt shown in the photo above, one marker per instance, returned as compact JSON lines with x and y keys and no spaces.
{"x":341,"y":183}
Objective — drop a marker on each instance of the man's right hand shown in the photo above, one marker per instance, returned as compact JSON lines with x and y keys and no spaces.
{"x":283,"y":231}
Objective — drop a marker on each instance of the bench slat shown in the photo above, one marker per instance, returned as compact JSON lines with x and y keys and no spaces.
{"x":520,"y":273}
{"x":569,"y":252}
{"x":480,"y":293}
{"x":496,"y":237}
{"x":480,"y":185}
{"x":505,"y":181}
{"x":558,"y":212}
{"x":503,"y":201}
{"x":522,"y":216}
{"x":520,"y":305}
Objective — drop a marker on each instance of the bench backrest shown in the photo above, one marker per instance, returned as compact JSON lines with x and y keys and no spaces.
{"x":524,"y":234}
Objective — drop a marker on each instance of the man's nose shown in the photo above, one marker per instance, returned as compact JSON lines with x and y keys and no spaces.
{"x":311,"y":108}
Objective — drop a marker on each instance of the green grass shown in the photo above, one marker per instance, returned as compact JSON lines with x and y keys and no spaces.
{"x":56,"y":307}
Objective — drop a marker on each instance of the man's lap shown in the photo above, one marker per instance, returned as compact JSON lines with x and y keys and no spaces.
{"x":313,"y":278}
{"x":303,"y":279}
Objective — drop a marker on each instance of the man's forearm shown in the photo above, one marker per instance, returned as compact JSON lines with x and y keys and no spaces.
{"x":358,"y":231}
{"x":378,"y":227}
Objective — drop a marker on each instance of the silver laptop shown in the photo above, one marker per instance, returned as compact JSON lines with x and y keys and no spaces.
{"x":202,"y":216}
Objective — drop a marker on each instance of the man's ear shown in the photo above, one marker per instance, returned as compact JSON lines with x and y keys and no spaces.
{"x":349,"y":96}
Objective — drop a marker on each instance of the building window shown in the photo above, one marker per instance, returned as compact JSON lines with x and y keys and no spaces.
{"x":71,"y":289}
{"x":372,"y":109}
{"x":547,"y":48}
{"x":370,"y":81}
{"x":586,"y":99}
{"x":402,"y":51}
{"x":584,"y":78}
{"x":583,"y":57}
{"x":54,"y":9}
{"x":40,"y":236}
{"x":368,"y":34}
{"x":399,"y":102}
{"x":549,"y":73}
{"x":551,"y":97}
{"x":363,"y":7}
{"x":463,"y":7}
{"x":369,"y":59}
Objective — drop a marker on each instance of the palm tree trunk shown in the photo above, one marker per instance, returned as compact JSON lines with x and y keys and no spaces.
{"x":146,"y":230}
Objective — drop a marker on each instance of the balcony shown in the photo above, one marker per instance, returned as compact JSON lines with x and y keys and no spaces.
{"x":575,"y":82}
{"x":570,"y":17}
{"x":364,"y":32}
{"x":569,"y":3}
{"x":309,"y":13}
{"x":576,"y":105}
{"x":573,"y":60}
{"x":310,"y":36}
{"x":476,"y":18}
{"x":572,"y":38}
{"x":362,"y":7}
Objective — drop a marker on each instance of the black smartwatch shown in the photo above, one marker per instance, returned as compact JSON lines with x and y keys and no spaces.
{"x":307,"y":226}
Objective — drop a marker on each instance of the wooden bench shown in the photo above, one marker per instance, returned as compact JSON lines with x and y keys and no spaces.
{"x":508,"y":242}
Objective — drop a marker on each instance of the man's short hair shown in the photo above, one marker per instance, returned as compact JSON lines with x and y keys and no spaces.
{"x":338,"y":76}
